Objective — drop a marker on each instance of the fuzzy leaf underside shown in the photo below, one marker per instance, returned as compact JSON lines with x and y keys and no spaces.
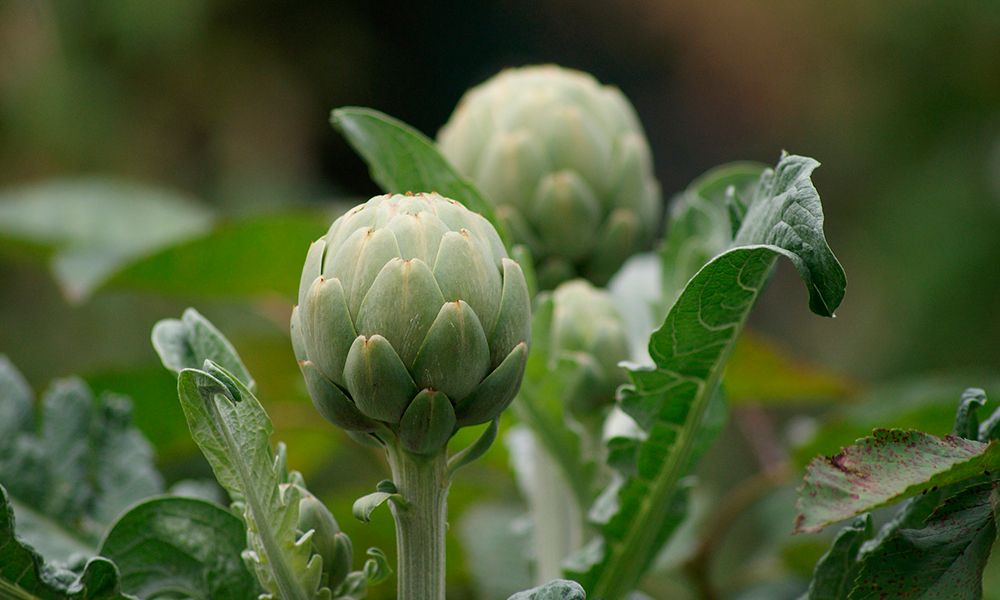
{"x":25,"y":576}
{"x":401,"y":159}
{"x":944,"y":559}
{"x":180,"y":545}
{"x":559,"y":589}
{"x":886,"y":467}
{"x":669,"y":401}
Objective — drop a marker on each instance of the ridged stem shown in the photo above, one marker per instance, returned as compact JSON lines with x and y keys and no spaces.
{"x":420,"y":524}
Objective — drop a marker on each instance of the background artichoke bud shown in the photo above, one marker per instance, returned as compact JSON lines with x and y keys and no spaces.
{"x":328,"y":541}
{"x":567,"y":164}
{"x":587,"y":328}
{"x":411,"y":317}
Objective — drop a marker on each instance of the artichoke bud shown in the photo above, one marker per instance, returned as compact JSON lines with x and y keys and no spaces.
{"x":411,"y":318}
{"x":588,"y":330}
{"x":559,"y":154}
{"x":333,"y":546}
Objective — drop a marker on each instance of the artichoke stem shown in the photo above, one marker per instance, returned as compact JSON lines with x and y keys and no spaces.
{"x":421,"y":524}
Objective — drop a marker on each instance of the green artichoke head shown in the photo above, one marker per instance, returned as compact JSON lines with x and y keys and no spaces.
{"x":566,"y":163}
{"x":411,"y":318}
{"x":587,"y":328}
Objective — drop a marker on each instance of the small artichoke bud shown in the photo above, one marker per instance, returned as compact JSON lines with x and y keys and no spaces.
{"x":567,"y":164}
{"x":587,"y":328}
{"x":411,"y":317}
{"x":328,"y":541}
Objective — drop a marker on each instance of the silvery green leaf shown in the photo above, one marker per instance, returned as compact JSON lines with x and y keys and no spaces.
{"x":560,"y":589}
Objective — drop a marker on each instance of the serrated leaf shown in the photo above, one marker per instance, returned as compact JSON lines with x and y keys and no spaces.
{"x":194,"y":546}
{"x":833,"y":577}
{"x":889,"y":466}
{"x":246,"y":257}
{"x":234,"y":437}
{"x":24,"y":574}
{"x":95,"y":226}
{"x":943,"y":559}
{"x":669,"y":401}
{"x":77,"y":474}
{"x":401,"y":159}
{"x":560,"y":589}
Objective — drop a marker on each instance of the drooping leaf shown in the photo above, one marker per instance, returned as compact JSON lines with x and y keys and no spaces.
{"x":560,"y":589}
{"x":24,"y":574}
{"x":669,"y":401}
{"x":95,"y":226}
{"x":247,"y":257}
{"x":365,"y":505}
{"x":401,"y":159}
{"x":834,"y":575}
{"x":943,"y":559}
{"x":171,"y":545}
{"x":889,"y":466}
{"x":79,"y":472}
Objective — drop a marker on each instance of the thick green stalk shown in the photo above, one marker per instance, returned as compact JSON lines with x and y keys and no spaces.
{"x":420,"y":523}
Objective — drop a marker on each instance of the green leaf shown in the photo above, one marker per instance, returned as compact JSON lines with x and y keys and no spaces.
{"x":186,"y":343}
{"x":669,"y":401}
{"x":836,"y":571}
{"x":560,"y":589}
{"x":168,"y":546}
{"x":256,"y":256}
{"x":233,"y":433}
{"x":83,"y":468}
{"x":474,"y":450}
{"x":943,"y":559}
{"x":25,"y":576}
{"x":93,"y":226}
{"x":699,"y":225}
{"x":889,"y":466}
{"x":401,"y":159}
{"x":365,"y":505}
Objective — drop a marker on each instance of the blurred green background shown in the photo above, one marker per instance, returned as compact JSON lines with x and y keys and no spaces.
{"x":155,"y":155}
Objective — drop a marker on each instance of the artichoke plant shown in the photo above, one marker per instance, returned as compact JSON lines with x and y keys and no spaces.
{"x":588,"y":329}
{"x":567,"y":164}
{"x":412,"y":320}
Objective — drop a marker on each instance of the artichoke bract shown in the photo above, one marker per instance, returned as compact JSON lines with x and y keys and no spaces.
{"x":566,"y":163}
{"x":587,"y":327}
{"x":411,"y":316}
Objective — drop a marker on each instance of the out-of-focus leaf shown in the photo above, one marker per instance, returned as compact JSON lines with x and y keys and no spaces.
{"x":669,"y":401}
{"x":699,"y":225}
{"x":835,"y":573}
{"x":496,"y":541}
{"x":24,"y":574}
{"x":401,"y":159}
{"x":761,"y":372}
{"x":943,"y":559}
{"x":925,"y":404}
{"x":886,"y":467}
{"x":560,"y":589}
{"x":168,"y":546}
{"x":80,"y":472}
{"x":251,"y":257}
{"x":94,"y":226}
